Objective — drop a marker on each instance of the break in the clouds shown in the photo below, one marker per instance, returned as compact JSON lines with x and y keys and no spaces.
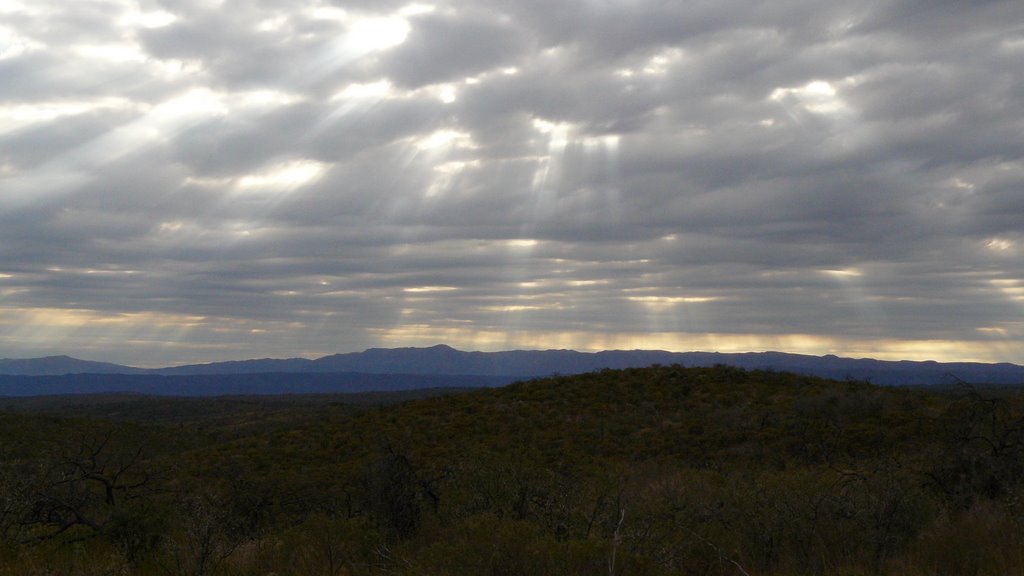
{"x":211,"y":179}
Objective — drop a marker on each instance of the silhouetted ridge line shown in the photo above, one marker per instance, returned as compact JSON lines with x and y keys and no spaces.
{"x":522,"y":364}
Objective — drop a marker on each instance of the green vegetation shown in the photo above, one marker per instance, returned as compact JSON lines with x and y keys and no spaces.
{"x":656,"y":471}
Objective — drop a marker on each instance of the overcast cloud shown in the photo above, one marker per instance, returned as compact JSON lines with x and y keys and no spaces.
{"x":198,"y":180}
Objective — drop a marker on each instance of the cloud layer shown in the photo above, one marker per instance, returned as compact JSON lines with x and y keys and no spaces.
{"x":202,"y":180}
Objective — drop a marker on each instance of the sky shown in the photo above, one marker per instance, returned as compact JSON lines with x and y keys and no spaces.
{"x":198,"y":180}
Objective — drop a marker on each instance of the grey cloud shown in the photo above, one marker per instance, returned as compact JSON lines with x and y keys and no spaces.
{"x":238,"y":143}
{"x":443,"y":47}
{"x":805,"y":168}
{"x":233,"y":55}
{"x":39,"y":143}
{"x":341,"y":134}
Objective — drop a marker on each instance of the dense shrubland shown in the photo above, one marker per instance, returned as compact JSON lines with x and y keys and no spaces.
{"x":665,"y":470}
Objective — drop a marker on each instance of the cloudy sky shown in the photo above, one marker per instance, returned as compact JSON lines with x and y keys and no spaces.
{"x":198,"y":180}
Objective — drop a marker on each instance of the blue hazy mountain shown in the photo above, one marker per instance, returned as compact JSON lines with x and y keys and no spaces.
{"x":432,"y":365}
{"x":60,"y":365}
{"x":261,"y":383}
{"x":443,"y":359}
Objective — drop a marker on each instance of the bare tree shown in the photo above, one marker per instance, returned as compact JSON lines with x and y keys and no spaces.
{"x":81,"y":487}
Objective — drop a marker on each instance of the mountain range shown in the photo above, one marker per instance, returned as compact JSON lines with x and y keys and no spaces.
{"x":441,"y":365}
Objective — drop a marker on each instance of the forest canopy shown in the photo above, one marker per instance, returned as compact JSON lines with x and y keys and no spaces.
{"x":653,"y":471}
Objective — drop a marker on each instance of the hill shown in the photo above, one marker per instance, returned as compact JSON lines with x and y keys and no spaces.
{"x":653,"y":471}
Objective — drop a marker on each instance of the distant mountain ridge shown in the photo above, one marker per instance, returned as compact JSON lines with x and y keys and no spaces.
{"x":61,"y":365}
{"x":442,"y":360}
{"x":253,"y":384}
